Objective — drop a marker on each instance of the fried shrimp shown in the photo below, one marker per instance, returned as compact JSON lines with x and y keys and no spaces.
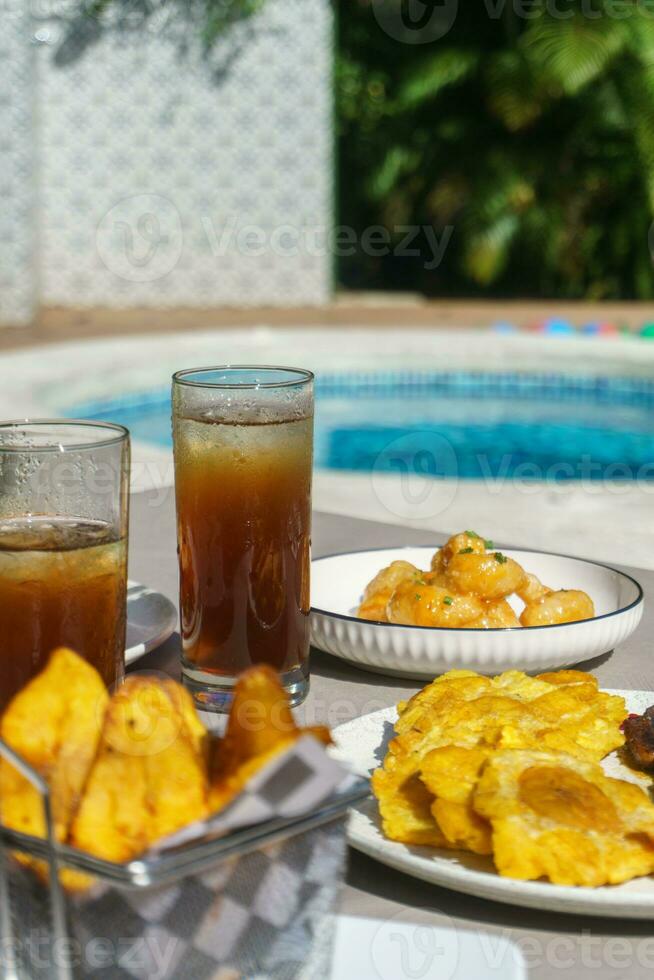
{"x":467,"y":542}
{"x":490,"y":576}
{"x":564,"y":606}
{"x":496,"y":616}
{"x":380,"y":589}
{"x":469,"y":585}
{"x":532,"y":588}
{"x":431,"y":605}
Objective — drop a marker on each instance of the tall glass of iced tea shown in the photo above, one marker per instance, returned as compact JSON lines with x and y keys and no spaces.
{"x":63,"y":546}
{"x":243,"y":441}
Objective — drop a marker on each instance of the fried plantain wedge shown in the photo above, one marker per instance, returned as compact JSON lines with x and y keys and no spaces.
{"x":54,"y":723}
{"x":260,"y":726}
{"x":149,"y":778}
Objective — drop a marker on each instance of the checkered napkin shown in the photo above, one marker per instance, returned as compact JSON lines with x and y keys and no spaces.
{"x":264,"y":915}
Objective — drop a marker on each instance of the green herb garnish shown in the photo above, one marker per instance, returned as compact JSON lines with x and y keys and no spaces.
{"x":466,"y":551}
{"x":500,"y":558}
{"x":471,"y":534}
{"x":488,"y":544}
{"x":448,"y":600}
{"x":417,"y":597}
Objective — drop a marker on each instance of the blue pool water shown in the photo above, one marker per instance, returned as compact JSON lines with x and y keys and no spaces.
{"x":469,"y":425}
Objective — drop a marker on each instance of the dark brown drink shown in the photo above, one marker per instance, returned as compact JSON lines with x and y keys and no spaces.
{"x":244,"y":513}
{"x":62,"y":583}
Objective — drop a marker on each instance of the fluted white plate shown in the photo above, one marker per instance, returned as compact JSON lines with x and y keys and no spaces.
{"x":338,"y":581}
{"x":362,"y":745}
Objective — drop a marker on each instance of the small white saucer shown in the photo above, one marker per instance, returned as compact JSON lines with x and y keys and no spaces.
{"x":151,"y":619}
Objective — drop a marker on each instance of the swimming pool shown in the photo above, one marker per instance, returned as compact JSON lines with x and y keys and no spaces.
{"x":470,"y":425}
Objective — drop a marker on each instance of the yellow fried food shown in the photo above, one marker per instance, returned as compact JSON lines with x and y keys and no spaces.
{"x":390,"y":577}
{"x":126,"y":771}
{"x":460,"y":707}
{"x":496,"y":615}
{"x":260,"y":726}
{"x":374,"y":608}
{"x":405,"y":808}
{"x":466,"y":569}
{"x":451,"y":773}
{"x":563,"y":719}
{"x":512,"y":710}
{"x":54,"y":723}
{"x":446,"y":733}
{"x":425,"y":604}
{"x":531,"y":588}
{"x":490,"y":576}
{"x":429,"y":720}
{"x":564,"y":606}
{"x":559,"y":817}
{"x":463,"y":726}
{"x":583,"y":686}
{"x":446,"y":693}
{"x":185,"y":705}
{"x":149,"y":777}
{"x":466,"y":541}
{"x":379,"y":590}
{"x":462,"y":828}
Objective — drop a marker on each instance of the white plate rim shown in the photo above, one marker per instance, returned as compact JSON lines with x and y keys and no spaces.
{"x":603,"y":901}
{"x":467,"y":629}
{"x":165,"y":629}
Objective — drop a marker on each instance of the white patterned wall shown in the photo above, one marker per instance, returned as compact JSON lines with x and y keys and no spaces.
{"x":160,"y":186}
{"x":18,"y":271}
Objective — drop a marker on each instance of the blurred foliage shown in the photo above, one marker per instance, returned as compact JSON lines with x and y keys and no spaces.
{"x":191,"y":23}
{"x":533,"y":138}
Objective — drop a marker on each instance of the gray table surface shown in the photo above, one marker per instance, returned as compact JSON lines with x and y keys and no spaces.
{"x":554,"y":945}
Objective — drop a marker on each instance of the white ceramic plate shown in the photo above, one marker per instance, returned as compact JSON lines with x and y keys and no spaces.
{"x":151,"y":619}
{"x":337,"y":583}
{"x":362,"y":744}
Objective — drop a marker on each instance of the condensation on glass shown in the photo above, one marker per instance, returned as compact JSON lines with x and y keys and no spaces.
{"x":243,"y":443}
{"x":63,"y":546}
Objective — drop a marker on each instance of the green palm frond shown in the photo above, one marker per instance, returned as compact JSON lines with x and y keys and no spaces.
{"x":575,"y":51}
{"x":515,"y":95}
{"x":538,"y":147}
{"x":487,"y":252}
{"x":428,"y":77}
{"x":637,"y":88}
{"x":398,"y":161}
{"x":638,"y":28}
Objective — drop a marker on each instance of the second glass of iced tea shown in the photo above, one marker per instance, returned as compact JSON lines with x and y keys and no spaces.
{"x":63,"y":546}
{"x":243,"y":442}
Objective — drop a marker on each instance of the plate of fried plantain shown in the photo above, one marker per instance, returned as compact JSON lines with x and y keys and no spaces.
{"x":513,"y":788}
